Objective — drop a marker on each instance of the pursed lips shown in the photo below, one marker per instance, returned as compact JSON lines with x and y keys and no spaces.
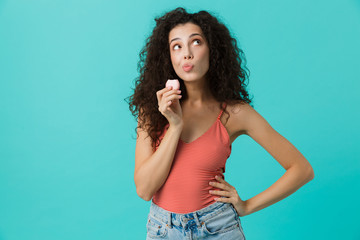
{"x":187,"y":67}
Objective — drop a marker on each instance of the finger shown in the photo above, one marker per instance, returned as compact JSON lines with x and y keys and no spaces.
{"x":169,"y":96}
{"x":171,"y":92}
{"x":217,"y":185}
{"x":221,"y":193}
{"x":164,"y":90}
{"x":172,"y":98}
{"x":160,"y":93}
{"x":221,"y":180}
{"x":223,"y":199}
{"x":167,"y":106}
{"x":221,"y":186}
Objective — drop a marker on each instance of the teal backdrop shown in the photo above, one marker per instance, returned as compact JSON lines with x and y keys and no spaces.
{"x":67,"y":137}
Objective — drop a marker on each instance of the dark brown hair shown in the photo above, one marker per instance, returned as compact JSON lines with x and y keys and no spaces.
{"x":226,"y":75}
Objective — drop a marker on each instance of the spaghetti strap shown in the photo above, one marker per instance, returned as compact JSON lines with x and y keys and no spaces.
{"x":221,"y":111}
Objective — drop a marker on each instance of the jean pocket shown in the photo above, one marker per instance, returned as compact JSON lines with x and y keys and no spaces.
{"x":223,"y":222}
{"x":238,"y":219}
{"x":233,"y":208}
{"x":155,"y":228}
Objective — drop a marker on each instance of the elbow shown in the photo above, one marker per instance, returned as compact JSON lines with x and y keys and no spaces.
{"x":306,"y":172}
{"x":143,"y":191}
{"x":142,"y":195}
{"x":139,"y":189}
{"x":146,"y":198}
{"x":310,"y":173}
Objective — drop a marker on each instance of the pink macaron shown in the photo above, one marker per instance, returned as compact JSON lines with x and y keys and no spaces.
{"x":174,"y":83}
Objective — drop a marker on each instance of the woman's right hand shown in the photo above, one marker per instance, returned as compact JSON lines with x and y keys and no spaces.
{"x":169,"y":105}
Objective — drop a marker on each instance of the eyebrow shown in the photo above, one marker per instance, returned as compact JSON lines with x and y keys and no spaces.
{"x":189,"y":37}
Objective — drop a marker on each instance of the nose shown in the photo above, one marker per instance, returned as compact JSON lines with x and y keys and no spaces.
{"x":188,"y":55}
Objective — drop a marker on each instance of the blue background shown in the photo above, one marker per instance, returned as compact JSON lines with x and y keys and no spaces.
{"x":67,"y":138}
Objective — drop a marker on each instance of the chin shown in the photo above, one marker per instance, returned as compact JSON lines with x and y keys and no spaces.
{"x":189,"y":77}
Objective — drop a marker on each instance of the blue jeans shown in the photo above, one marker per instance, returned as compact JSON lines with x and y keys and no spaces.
{"x":216,"y":221}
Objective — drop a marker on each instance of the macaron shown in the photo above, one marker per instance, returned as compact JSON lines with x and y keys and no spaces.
{"x":174,"y":83}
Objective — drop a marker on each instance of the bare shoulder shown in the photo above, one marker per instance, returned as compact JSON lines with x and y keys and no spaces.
{"x":238,"y":113}
{"x":234,"y":119}
{"x":244,"y":119}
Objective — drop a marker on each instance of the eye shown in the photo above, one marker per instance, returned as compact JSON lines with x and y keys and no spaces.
{"x":197,"y":40}
{"x":193,"y":41}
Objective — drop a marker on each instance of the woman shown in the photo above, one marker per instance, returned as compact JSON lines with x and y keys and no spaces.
{"x":184,"y":139}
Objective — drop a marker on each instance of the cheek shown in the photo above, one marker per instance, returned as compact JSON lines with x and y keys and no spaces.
{"x":205,"y":59}
{"x":174,"y":60}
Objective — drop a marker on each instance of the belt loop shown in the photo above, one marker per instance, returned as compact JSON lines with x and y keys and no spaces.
{"x":197,"y":220}
{"x":169,"y":223}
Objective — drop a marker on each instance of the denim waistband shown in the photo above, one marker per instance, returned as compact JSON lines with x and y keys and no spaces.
{"x":182,"y":219}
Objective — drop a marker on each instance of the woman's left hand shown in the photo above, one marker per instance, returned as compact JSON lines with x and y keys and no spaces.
{"x":229,"y":194}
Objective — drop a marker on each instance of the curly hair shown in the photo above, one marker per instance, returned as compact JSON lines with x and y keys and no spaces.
{"x":226,"y":75}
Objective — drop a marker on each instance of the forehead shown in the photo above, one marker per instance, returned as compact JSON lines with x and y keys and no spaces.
{"x":184,"y":30}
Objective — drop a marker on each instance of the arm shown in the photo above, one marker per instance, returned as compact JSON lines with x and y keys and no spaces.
{"x":152,"y":168}
{"x":298,"y":169}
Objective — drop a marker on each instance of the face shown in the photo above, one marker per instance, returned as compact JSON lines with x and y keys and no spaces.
{"x":189,"y":46}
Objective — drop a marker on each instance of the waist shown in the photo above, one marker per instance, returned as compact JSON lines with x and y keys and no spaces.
{"x":185,"y":195}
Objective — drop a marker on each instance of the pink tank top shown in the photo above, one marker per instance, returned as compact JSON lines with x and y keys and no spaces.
{"x":195,"y":164}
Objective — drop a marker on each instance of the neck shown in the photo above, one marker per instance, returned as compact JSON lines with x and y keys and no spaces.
{"x":198,"y":93}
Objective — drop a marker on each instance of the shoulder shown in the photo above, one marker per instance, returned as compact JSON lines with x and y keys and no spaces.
{"x":243,"y":118}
